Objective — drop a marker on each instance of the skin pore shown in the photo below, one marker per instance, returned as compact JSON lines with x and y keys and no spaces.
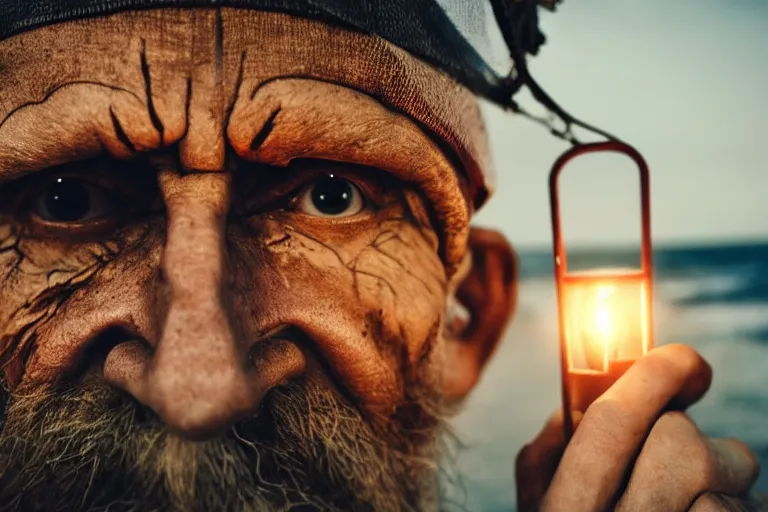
{"x":224,"y":284}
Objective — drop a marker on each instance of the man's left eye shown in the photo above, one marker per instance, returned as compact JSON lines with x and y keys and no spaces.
{"x":331,"y":196}
{"x":69,"y":200}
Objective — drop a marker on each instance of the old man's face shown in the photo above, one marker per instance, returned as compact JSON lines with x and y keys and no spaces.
{"x":226,"y":268}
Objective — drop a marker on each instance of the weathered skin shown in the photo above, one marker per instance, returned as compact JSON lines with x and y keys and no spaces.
{"x":203,"y":276}
{"x":205,"y":337}
{"x":170,"y":255}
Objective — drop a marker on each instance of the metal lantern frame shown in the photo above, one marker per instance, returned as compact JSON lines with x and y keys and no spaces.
{"x":560,"y":253}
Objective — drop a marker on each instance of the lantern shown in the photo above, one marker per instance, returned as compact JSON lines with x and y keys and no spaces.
{"x":605,"y":314}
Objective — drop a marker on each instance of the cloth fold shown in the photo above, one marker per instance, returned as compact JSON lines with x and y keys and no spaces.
{"x":421,"y":27}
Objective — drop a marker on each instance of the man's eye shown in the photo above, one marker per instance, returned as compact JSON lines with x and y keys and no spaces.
{"x":69,"y":200}
{"x":331,"y":197}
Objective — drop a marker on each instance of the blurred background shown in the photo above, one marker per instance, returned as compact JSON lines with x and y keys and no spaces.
{"x":683,"y":82}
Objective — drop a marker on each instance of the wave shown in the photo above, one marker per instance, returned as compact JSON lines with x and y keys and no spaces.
{"x":714,"y":299}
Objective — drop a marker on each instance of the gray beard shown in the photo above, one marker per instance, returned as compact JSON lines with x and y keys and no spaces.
{"x":91,"y":447}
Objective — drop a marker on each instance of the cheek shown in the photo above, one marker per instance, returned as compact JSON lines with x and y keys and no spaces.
{"x":45,"y":283}
{"x":370,"y":296}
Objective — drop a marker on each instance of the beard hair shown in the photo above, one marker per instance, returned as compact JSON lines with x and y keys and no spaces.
{"x":91,"y":447}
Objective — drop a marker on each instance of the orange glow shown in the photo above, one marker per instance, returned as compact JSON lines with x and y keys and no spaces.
{"x":603,"y":329}
{"x":605,"y":315}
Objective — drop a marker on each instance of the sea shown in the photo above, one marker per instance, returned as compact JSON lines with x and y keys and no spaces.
{"x":714,"y":298}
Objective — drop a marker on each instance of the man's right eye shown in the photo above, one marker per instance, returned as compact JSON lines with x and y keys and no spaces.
{"x":331,"y":196}
{"x":66,"y":200}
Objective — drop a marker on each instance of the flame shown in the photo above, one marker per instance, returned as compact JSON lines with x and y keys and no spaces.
{"x":598,"y":326}
{"x":603,"y":311}
{"x":605,"y":320}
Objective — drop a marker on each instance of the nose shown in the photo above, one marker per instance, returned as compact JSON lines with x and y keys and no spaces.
{"x":198,"y":378}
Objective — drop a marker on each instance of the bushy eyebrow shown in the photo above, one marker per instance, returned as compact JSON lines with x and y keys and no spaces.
{"x":23,"y":147}
{"x":64,"y":126}
{"x":298,"y":118}
{"x":281,"y":120}
{"x":18,"y":154}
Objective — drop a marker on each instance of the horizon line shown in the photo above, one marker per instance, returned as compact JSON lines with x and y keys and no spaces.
{"x":672,"y":244}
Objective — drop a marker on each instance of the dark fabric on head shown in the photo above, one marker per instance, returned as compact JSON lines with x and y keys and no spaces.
{"x":418,"y":26}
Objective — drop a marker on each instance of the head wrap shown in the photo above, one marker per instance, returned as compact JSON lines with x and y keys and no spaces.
{"x":454,"y":36}
{"x":450,"y":34}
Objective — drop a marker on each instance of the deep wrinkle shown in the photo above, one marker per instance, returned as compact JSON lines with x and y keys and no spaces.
{"x":220,"y":299}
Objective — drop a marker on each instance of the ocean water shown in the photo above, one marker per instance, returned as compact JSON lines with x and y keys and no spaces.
{"x":712,"y":298}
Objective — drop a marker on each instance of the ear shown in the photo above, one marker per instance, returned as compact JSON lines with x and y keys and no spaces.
{"x":489,"y":296}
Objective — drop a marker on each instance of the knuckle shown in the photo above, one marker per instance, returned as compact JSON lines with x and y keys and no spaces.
{"x":752,"y":463}
{"x":664,"y":370}
{"x":677,"y":445}
{"x":676,"y":425}
{"x":702,"y":468}
{"x":709,"y":502}
{"x":606,"y":419}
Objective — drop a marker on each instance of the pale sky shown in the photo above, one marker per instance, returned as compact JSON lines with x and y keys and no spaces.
{"x":685,"y":82}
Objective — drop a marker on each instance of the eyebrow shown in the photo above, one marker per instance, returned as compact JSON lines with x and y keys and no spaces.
{"x":270,"y":126}
{"x":367,"y":133}
{"x":55,"y":90}
{"x":285,"y":120}
{"x":27,"y":143}
{"x":41,"y":133}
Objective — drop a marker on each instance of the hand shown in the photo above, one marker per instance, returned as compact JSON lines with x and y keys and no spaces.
{"x":629,"y":455}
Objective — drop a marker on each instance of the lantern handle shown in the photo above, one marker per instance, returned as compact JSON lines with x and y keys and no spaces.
{"x":559,"y":250}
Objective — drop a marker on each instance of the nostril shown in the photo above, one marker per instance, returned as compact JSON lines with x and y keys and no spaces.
{"x":109,"y":339}
{"x":125,"y":364}
{"x":277,"y":360}
{"x":93,"y":354}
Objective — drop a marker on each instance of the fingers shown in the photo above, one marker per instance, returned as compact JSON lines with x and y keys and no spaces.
{"x":594,"y":465}
{"x":710,"y":503}
{"x":678,"y":463}
{"x":537,"y":462}
{"x":735,"y":467}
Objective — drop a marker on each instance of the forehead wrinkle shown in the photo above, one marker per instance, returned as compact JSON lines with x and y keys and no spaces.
{"x":257,"y":46}
{"x":291,"y":118}
{"x":276,"y":45}
{"x":102,"y":50}
{"x":114,"y":85}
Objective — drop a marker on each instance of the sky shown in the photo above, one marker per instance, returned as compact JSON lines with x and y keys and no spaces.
{"x":684,"y":81}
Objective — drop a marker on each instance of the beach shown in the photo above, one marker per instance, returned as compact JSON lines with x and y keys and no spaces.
{"x":714,"y":298}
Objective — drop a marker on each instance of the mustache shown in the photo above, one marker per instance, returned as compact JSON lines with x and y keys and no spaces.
{"x":92,"y":447}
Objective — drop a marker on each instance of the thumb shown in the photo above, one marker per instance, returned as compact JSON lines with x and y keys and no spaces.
{"x":537,"y":462}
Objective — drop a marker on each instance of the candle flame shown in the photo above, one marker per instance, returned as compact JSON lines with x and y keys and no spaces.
{"x":605,"y":320}
{"x":603,"y":311}
{"x":598,"y":327}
